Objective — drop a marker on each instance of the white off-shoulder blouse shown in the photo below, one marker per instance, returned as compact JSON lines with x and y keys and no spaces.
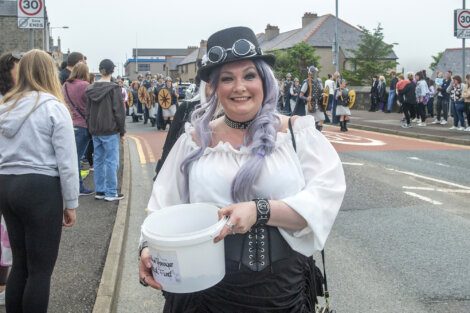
{"x":309,"y":180}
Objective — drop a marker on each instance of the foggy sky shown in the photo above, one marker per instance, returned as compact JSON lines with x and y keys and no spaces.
{"x":110,"y":29}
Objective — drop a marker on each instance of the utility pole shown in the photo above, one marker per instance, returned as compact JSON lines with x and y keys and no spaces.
{"x":463,"y":49}
{"x":336,"y":39}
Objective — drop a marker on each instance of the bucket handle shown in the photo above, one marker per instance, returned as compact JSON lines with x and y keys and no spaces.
{"x":219,"y":227}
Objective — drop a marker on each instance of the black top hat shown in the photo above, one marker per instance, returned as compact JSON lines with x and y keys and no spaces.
{"x":230,"y":45}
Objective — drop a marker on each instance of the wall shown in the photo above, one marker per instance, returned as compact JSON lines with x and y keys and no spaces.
{"x":190,"y":71}
{"x":16,"y":39}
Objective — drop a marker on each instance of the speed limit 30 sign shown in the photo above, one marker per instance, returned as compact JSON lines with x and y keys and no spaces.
{"x":462,"y":23}
{"x":31,"y":13}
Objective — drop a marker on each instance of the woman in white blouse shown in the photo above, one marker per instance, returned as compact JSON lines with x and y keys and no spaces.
{"x":281,"y":192}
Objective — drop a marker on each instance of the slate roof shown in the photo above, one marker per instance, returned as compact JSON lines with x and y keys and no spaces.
{"x":452,"y":60}
{"x":8,"y":8}
{"x":173,"y":63}
{"x":160,"y":52}
{"x":190,"y":58}
{"x":319,"y":33}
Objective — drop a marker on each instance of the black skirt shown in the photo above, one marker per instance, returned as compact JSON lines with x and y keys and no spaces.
{"x":287,"y":286}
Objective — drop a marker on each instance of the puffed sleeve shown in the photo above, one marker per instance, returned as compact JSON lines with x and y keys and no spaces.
{"x":320,"y":199}
{"x":170,"y":187}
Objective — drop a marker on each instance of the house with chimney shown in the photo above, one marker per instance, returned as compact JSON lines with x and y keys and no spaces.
{"x":319,"y":32}
{"x":187,"y":68}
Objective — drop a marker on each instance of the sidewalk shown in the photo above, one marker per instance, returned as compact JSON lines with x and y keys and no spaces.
{"x":390,"y":124}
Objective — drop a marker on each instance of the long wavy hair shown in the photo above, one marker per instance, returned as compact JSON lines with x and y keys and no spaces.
{"x":36,"y":72}
{"x":260,"y":137}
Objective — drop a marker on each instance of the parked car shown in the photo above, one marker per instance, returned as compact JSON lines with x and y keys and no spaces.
{"x":182,"y":87}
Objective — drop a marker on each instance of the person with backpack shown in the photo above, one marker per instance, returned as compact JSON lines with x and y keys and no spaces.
{"x":277,"y":180}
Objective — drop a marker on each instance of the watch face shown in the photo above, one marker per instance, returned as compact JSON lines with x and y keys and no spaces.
{"x":263,"y":206}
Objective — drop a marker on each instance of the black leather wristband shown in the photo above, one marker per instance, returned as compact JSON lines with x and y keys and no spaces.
{"x":263,"y":211}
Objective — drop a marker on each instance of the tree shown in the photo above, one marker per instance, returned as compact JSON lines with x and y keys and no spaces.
{"x":436,"y":59}
{"x":370,"y":58}
{"x":295,"y":60}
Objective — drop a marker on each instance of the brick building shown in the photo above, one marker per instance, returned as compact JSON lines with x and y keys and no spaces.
{"x":156,"y":61}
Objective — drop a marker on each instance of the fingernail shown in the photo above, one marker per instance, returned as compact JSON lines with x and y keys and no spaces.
{"x":149,"y":265}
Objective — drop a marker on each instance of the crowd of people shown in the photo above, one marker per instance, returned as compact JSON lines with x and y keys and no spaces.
{"x":49,"y":119}
{"x":313,"y":97}
{"x":423,"y":100}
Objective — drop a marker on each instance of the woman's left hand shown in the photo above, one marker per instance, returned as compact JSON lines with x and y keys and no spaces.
{"x":241,"y":217}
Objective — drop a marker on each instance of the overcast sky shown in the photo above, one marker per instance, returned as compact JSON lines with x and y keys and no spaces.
{"x":110,"y":29}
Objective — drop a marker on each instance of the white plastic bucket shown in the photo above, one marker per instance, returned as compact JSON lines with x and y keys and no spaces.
{"x":180,"y":239}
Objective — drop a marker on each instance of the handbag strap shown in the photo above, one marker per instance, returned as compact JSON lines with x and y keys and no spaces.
{"x":294,"y":144}
{"x":71,"y":102}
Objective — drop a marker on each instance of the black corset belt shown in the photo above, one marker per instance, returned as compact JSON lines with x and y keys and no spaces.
{"x":258,"y":248}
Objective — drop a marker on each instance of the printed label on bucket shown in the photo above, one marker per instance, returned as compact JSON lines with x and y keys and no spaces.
{"x":165,"y":267}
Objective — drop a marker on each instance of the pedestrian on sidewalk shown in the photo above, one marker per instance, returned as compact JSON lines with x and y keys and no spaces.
{"x":392,"y":91}
{"x":422,"y":97}
{"x":432,"y":94}
{"x":409,"y":100}
{"x":466,"y":96}
{"x":402,"y":82}
{"x":381,"y":91}
{"x":248,"y":153}
{"x":106,"y":123}
{"x":74,"y":91}
{"x":8,"y":78}
{"x":374,"y":94}
{"x":72,"y":59}
{"x":443,"y":98}
{"x":38,"y":178}
{"x":456,"y":96}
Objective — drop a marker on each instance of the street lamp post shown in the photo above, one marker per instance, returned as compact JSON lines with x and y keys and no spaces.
{"x":57,"y":27}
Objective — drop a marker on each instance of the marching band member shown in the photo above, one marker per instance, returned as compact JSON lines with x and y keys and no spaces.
{"x":311,"y":95}
{"x":342,"y":107}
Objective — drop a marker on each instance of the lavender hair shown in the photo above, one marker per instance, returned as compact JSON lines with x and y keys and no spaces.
{"x":260,"y":137}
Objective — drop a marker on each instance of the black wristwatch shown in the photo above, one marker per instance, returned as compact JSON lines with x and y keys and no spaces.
{"x":263,"y":211}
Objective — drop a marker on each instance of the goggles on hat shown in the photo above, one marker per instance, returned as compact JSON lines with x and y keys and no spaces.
{"x":241,"y":48}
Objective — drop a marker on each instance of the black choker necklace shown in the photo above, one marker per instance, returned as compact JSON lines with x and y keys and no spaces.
{"x":237,"y":125}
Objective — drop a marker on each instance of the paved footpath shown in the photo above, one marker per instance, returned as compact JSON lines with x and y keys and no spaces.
{"x":390,"y":123}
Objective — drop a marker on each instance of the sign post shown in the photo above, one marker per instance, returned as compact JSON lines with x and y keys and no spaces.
{"x":30,"y":13}
{"x":462,"y":30}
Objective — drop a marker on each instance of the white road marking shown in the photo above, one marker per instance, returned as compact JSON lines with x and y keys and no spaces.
{"x":353,"y":140}
{"x":431,"y":179}
{"x":414,"y":158}
{"x":445,"y":165}
{"x":423,"y":198}
{"x":437,"y":189}
{"x":352,"y":163}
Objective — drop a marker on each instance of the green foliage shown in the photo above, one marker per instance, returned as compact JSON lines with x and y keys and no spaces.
{"x":295,"y":60}
{"x":370,"y":57}
{"x":435,"y":60}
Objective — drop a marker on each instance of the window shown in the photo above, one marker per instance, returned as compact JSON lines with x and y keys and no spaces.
{"x":186,"y":68}
{"x":144,"y":67}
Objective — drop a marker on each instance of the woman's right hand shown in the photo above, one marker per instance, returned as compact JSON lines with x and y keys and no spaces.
{"x":145,"y":270}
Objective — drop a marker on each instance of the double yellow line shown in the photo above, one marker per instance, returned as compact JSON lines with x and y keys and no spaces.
{"x":138,"y":143}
